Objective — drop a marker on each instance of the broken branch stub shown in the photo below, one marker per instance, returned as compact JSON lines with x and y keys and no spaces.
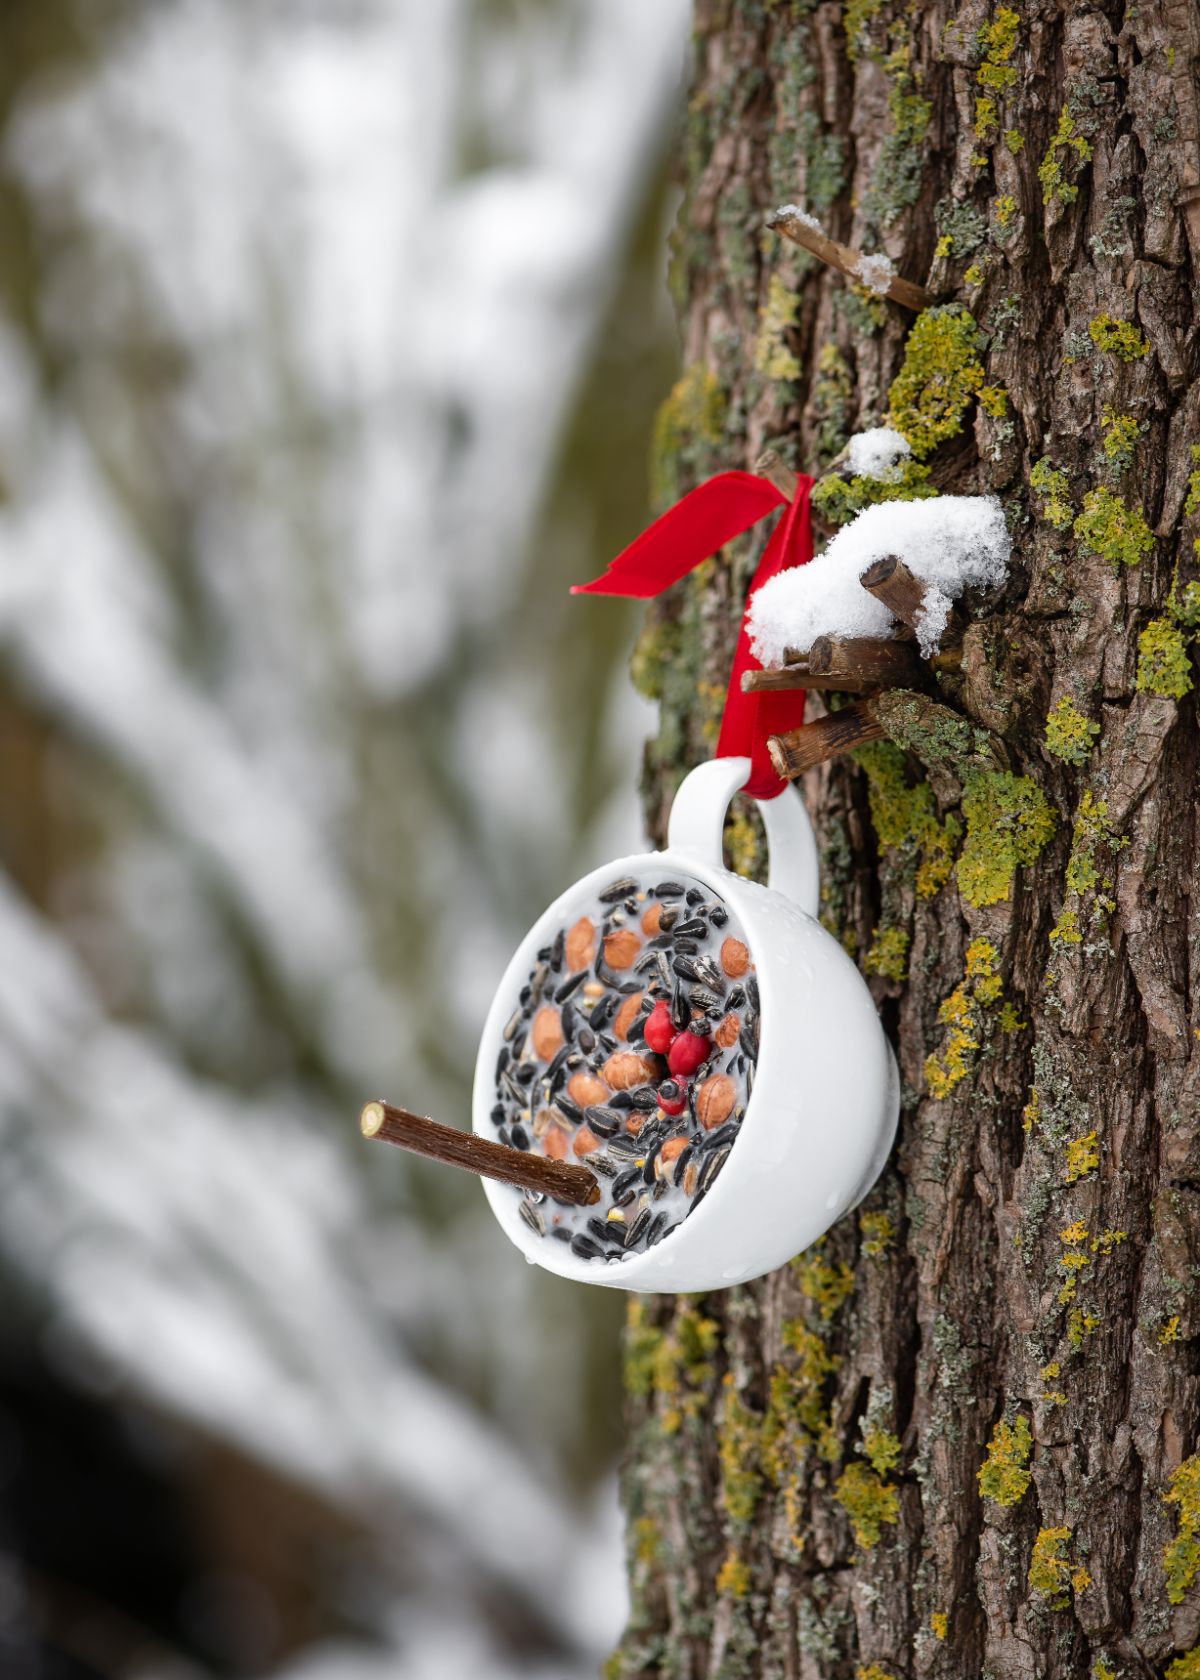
{"x":847,"y":261}
{"x":813,"y":743}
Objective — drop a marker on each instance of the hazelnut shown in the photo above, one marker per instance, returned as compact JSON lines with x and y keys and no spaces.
{"x":715,"y":1100}
{"x":621,"y":948}
{"x":546,"y":1034}
{"x":581,"y":944}
{"x":626,"y":1069}
{"x":727,"y":1031}
{"x":585,"y":1088}
{"x":735,"y":958}
{"x":651,"y":920}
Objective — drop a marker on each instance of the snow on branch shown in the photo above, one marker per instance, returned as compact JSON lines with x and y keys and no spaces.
{"x":949,"y":542}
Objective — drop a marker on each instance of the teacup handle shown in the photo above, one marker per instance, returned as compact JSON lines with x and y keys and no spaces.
{"x":698,"y":820}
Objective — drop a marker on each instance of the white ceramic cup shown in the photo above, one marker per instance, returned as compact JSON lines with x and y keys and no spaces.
{"x":822,"y":1116}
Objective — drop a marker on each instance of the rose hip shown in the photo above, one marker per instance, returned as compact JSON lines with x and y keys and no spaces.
{"x":689,"y":1051}
{"x":660,"y":1029}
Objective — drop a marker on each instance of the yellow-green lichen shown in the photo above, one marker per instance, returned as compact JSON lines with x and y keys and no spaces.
{"x":733,"y":1577}
{"x":888,"y":955}
{"x":877,"y":1233}
{"x":998,"y":41}
{"x":868,"y":1501}
{"x":1192,"y":503}
{"x":1117,"y":338}
{"x":693,"y":414}
{"x":1014,"y":140}
{"x":1112,"y":529}
{"x":963,"y":1013}
{"x":1069,"y":735}
{"x":939,"y":1621}
{"x":1181,"y":1559}
{"x":1164,"y":667}
{"x":1171,"y":1331}
{"x":655,"y":653}
{"x":1066,"y":146}
{"x":1120,"y":436}
{"x":1080,"y":1325}
{"x":1005,"y":207}
{"x":772,"y":358}
{"x":838,"y":499}
{"x":739,"y":1442}
{"x":1009,"y":822}
{"x":1055,"y":493}
{"x":1003,"y":1476}
{"x":828,"y":1286}
{"x":1083,"y":1157}
{"x":1031,"y":1114}
{"x":857,"y":16}
{"x":871,"y":1671}
{"x":675,"y":1365}
{"x":881,"y":1448}
{"x":830,"y":401}
{"x":897,"y":177}
{"x":1051,"y":1573}
{"x":993,"y":399}
{"x":905,"y":817}
{"x":1186,"y":1667}
{"x":938,"y":379}
{"x":744,"y":843}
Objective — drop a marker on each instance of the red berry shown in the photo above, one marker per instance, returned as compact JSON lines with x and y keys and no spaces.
{"x":672,"y":1096}
{"x":689,"y":1051}
{"x":659,"y":1031}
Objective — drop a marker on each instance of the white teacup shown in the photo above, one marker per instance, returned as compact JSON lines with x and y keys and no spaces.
{"x":821,"y":1119}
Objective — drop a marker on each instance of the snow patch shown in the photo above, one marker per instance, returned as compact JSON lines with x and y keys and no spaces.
{"x":876,"y":272}
{"x":877,"y":453}
{"x":793,"y":213}
{"x":950,"y":542}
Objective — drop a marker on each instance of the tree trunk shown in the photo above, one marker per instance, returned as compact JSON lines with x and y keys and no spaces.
{"x":953,"y":1439}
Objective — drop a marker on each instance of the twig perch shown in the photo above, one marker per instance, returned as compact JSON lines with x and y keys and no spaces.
{"x":804,"y":748}
{"x":901,"y":592}
{"x":566,"y":1183}
{"x":770,"y":465}
{"x":847,"y":261}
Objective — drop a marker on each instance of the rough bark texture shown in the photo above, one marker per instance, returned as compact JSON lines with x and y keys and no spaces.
{"x":1016,"y":869}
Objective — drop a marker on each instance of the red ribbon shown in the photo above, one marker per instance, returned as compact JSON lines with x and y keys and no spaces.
{"x":705,"y":520}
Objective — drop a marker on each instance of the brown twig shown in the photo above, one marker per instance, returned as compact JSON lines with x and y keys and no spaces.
{"x":566,"y":1183}
{"x":846,"y":260}
{"x":804,"y":748}
{"x":890,"y":581}
{"x":771,"y":465}
{"x":863,"y":662}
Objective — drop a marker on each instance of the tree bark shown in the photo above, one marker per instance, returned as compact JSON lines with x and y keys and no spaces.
{"x":956,"y":1438}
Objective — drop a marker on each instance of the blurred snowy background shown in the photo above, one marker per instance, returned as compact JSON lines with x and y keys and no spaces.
{"x":331,"y":332}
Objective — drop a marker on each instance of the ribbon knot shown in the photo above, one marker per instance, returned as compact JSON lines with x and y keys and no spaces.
{"x":697,"y":526}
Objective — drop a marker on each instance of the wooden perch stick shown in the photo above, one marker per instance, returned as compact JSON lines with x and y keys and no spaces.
{"x":891,"y":582}
{"x":770,"y":465}
{"x":804,"y":748}
{"x":566,"y":1183}
{"x":846,"y":260}
{"x":863,"y":662}
{"x":848,"y":664}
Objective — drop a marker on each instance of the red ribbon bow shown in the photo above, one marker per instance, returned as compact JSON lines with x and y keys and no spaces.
{"x":705,"y":520}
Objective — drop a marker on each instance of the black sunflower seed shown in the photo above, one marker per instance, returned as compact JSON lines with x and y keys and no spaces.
{"x":746,"y":1041}
{"x":605,"y":1122}
{"x":532,"y":1218}
{"x":525,"y":1073}
{"x":571,"y":984}
{"x":585,"y":1247}
{"x":624,"y":1186}
{"x":512,"y":1026}
{"x":520,"y":1136}
{"x":713,"y":1163}
{"x":637,"y":1230}
{"x":502,"y":1062}
{"x":669,"y":889}
{"x":561,"y":1232}
{"x":567,"y":1017}
{"x":558,"y":1062}
{"x":658,"y":1229}
{"x":620,"y":1099}
{"x":687,"y":947}
{"x":752,"y":993}
{"x":636,"y":1031}
{"x":694,"y":928}
{"x":644,"y":1098}
{"x":618,"y":890}
{"x":702,"y":998}
{"x":695,"y":896}
{"x":586,"y":1040}
{"x":718,"y":915}
{"x":505,"y":1136}
{"x":602,"y":1165}
{"x":557,"y":949}
{"x":685,"y":968}
{"x":737,"y":997}
{"x":569,"y":1110}
{"x":625,"y":1146}
{"x":498,"y":1114}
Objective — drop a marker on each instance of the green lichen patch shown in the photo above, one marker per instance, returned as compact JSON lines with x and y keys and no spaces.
{"x":772,"y":357}
{"x":1069,"y":734}
{"x":1055,"y":493}
{"x":1009,"y":822}
{"x":938,"y":379}
{"x":888,"y":955}
{"x":1091,"y":833}
{"x":673,"y":1366}
{"x":837,"y":499}
{"x":1120,"y":434}
{"x":1003,"y":1476}
{"x":897,"y":178}
{"x":739,"y":1445}
{"x":1066,"y":155}
{"x":828,"y":1286}
{"x":1082,"y":1158}
{"x":1121,"y":339}
{"x":877,"y":1231}
{"x":830,"y":401}
{"x":654,"y":656}
{"x":1181,"y":1559}
{"x":905,"y":818}
{"x":1112,"y":529}
{"x":1164,"y":667}
{"x":964,"y":1013}
{"x":1051,"y":1574}
{"x":689,"y":425}
{"x":1192,"y":502}
{"x":1186,"y":1667}
{"x":868,"y":1500}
